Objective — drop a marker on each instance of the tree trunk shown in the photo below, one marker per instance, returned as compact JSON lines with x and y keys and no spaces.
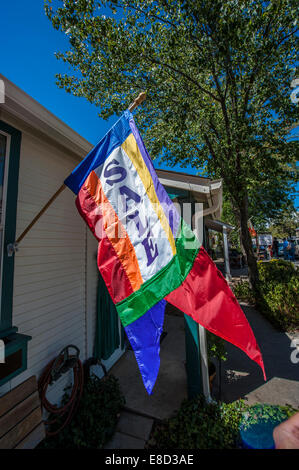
{"x":247,"y":244}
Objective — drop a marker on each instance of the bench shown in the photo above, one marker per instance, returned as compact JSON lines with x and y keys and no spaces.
{"x":21,"y":425}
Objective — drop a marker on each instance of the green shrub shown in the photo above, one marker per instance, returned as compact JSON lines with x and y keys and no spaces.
{"x":95,"y":419}
{"x":276,"y":271}
{"x":216,"y":347}
{"x":279,"y":299}
{"x":243,"y":291}
{"x":281,"y":305}
{"x":198,"y":425}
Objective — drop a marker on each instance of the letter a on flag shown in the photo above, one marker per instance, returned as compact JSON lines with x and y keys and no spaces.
{"x":147,"y":255}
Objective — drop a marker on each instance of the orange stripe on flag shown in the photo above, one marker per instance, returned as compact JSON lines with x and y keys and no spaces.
{"x":115,"y":231}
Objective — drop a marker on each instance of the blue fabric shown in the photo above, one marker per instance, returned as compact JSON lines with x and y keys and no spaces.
{"x":114,"y":137}
{"x":144,"y":335}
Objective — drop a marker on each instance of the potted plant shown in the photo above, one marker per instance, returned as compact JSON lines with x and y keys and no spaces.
{"x":258,"y":422}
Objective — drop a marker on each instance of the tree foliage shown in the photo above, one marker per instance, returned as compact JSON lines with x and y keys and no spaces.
{"x":285,"y":226}
{"x":217,"y":75}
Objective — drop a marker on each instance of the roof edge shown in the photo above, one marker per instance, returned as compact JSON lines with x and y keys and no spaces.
{"x":19,"y":103}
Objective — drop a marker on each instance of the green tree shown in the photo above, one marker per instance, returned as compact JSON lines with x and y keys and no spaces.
{"x":285,"y":226}
{"x":217,"y":74}
{"x":271,"y":208}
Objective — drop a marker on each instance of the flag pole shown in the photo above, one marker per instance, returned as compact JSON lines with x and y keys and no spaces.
{"x":41,"y":212}
{"x":140,"y":98}
{"x":12,"y":247}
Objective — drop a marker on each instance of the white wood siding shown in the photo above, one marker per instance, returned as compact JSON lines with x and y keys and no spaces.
{"x":91,"y":290}
{"x":55,"y":277}
{"x":49,"y":280}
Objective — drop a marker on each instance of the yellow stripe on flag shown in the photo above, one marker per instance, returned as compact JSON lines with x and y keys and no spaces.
{"x":131,"y":148}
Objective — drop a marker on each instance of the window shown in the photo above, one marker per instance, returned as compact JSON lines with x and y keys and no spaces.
{"x":15,"y":343}
{"x":4,"y":154}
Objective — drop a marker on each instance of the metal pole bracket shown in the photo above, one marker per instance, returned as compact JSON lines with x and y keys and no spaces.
{"x":12,"y":248}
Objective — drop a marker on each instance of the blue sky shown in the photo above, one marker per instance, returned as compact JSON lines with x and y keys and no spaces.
{"x":28,"y":60}
{"x":28,"y":43}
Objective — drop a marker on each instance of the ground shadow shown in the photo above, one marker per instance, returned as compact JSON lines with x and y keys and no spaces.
{"x":240,"y":376}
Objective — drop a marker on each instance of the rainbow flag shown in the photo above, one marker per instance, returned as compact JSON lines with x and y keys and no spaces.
{"x":147,"y":255}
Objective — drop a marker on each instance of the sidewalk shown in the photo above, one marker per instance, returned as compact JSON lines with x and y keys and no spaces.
{"x":170,"y":390}
{"x":240,"y":378}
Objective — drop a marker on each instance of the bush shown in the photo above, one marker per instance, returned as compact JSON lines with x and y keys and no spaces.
{"x":198,"y":425}
{"x":243,"y":292}
{"x":279,"y":288}
{"x":281,"y":306}
{"x":279,"y":293}
{"x":216,"y":347}
{"x":276,"y":271}
{"x":95,"y":420}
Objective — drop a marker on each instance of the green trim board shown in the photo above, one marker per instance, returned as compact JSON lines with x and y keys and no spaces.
{"x":16,"y":345}
{"x":165,"y":281}
{"x":193,"y":357}
{"x":10,"y":224}
{"x":9,"y":331}
{"x":107,"y":337}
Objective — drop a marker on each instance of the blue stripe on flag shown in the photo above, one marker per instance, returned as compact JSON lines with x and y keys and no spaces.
{"x":144,"y":335}
{"x":114,"y":138}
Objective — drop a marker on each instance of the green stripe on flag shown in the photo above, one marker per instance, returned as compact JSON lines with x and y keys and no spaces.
{"x":165,"y":281}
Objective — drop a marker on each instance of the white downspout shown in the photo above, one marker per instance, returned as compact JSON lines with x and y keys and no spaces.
{"x":226,"y":255}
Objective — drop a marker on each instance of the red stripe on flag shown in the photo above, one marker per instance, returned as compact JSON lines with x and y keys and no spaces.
{"x":114,"y":230}
{"x":109,"y":264}
{"x":206,"y":297}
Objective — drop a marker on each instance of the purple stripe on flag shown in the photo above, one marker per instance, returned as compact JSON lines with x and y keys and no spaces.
{"x":169,"y":208}
{"x":144,"y":335}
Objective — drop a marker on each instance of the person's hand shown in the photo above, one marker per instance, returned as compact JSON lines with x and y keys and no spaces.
{"x":286,"y":435}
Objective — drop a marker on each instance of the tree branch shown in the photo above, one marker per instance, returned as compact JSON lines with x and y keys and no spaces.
{"x":258,"y":66}
{"x":147,"y":14}
{"x":183,"y":74}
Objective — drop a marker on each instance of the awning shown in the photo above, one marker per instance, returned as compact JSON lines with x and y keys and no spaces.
{"x":217,"y":225}
{"x":203,"y":190}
